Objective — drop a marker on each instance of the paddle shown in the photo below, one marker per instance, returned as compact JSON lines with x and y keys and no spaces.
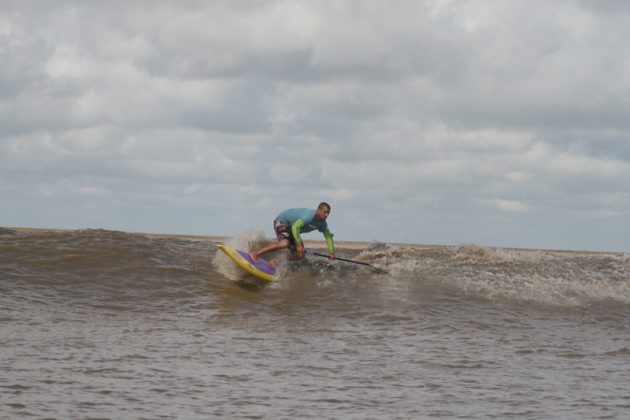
{"x":351,"y":261}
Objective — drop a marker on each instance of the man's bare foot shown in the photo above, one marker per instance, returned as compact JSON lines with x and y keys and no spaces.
{"x":274,"y":264}
{"x":254,"y":256}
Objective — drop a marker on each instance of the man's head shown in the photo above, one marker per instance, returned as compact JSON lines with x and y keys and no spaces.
{"x":323,"y":210}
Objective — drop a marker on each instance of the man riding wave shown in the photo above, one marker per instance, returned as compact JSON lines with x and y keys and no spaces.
{"x":291,"y":223}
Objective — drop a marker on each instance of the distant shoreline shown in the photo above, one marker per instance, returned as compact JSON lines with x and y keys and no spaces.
{"x":349,"y":245}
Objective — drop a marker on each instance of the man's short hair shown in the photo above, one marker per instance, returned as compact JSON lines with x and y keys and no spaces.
{"x":324,"y":204}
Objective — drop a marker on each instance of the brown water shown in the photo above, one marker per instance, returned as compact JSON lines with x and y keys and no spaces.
{"x":113,"y":325}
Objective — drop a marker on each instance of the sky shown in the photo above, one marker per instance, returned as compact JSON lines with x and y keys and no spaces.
{"x":496,"y":123}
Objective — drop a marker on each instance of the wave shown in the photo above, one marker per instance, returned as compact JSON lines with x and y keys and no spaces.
{"x":122,"y":267}
{"x":546,"y":277}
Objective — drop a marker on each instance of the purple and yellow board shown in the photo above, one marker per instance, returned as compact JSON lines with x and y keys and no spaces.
{"x":261,"y":269}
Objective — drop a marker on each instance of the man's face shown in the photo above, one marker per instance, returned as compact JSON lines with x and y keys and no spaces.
{"x":322,"y":213}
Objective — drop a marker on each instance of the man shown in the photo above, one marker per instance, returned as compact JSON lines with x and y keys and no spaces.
{"x":290,"y":223}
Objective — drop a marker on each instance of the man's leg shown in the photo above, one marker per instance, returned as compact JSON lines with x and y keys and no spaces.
{"x":269,"y":248}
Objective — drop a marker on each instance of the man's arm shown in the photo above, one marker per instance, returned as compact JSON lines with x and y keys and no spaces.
{"x":329,"y":242}
{"x":295,"y":230}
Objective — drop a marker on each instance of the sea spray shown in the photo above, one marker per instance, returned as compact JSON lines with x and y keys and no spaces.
{"x":248,"y":240}
{"x":558,"y":279}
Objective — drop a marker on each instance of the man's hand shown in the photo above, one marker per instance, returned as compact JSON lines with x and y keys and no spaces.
{"x":332,"y":257}
{"x":299,"y":250}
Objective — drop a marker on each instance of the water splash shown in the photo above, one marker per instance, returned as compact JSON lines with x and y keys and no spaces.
{"x":247,"y":240}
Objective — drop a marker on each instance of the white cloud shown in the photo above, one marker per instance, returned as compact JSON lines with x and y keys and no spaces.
{"x":588,"y":166}
{"x":93,"y":191}
{"x":67,"y":64}
{"x":517,"y":176}
{"x":512,"y":206}
{"x":193,"y":189}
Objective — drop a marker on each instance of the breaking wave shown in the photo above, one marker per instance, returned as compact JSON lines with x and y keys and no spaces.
{"x":134,"y":266}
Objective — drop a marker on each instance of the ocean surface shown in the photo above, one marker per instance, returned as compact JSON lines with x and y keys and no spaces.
{"x":102,"y":324}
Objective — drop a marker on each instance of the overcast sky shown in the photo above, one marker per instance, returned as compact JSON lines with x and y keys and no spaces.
{"x":498,"y":123}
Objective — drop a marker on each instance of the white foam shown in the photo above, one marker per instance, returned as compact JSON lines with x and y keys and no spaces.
{"x":497,"y":273}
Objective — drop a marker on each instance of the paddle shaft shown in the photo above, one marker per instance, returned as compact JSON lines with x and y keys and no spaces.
{"x":350,"y":261}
